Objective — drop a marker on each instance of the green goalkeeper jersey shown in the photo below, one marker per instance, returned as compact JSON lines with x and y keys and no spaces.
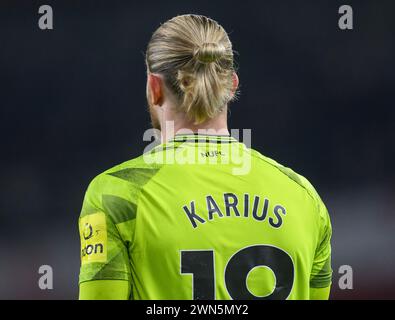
{"x":205,"y":217}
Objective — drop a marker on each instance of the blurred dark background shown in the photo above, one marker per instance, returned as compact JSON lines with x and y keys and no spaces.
{"x":318,"y":99}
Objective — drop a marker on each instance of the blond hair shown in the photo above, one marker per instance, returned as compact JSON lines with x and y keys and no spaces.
{"x":194,"y":55}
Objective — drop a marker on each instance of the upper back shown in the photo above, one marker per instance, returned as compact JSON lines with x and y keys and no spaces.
{"x":242,"y":224}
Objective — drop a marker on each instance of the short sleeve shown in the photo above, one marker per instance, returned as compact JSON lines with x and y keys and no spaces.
{"x":321,"y":273}
{"x":104,"y":256}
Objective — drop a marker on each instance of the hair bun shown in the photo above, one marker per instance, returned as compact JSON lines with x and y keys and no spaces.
{"x":209,"y":52}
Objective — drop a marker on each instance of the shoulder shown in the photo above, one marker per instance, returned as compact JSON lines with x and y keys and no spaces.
{"x":121,"y":182}
{"x":287,"y":173}
{"x":116,"y":191}
{"x":299,"y":181}
{"x":135,"y":171}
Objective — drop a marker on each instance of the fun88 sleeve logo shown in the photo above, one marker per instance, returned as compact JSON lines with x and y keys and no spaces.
{"x":93,"y":233}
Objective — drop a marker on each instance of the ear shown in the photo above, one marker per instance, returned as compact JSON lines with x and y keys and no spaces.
{"x":235,"y":80}
{"x":155,"y":84}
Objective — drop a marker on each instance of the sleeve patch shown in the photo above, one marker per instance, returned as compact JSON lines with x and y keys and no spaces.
{"x":93,"y":234}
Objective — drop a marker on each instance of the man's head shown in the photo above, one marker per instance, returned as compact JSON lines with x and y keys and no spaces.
{"x":191,"y":69}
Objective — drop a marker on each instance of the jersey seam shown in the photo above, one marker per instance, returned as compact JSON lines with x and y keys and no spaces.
{"x":107,"y":278}
{"x":315,"y":200}
{"x":300,"y":185}
{"x":137,"y":209}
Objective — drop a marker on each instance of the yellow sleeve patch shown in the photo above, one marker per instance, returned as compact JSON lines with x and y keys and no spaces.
{"x":93,"y":234}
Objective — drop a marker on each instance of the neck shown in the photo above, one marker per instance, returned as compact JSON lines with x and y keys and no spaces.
{"x":178,"y":124}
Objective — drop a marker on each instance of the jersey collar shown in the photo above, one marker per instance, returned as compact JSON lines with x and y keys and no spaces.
{"x":205,"y":138}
